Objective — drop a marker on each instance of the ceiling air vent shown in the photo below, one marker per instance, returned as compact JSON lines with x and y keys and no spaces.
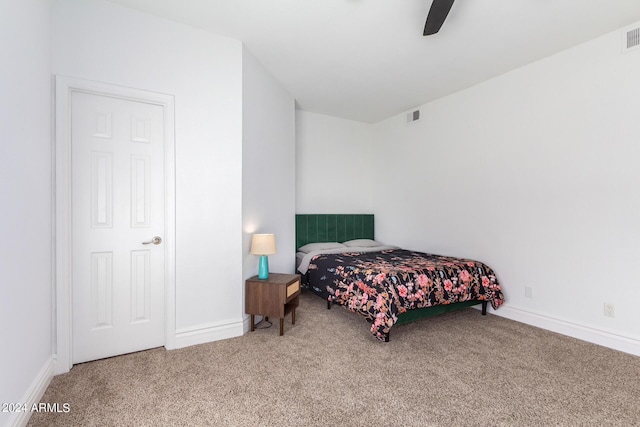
{"x":631,"y":39}
{"x":413,"y":116}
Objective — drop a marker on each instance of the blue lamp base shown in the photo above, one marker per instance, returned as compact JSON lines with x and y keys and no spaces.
{"x":263,"y":267}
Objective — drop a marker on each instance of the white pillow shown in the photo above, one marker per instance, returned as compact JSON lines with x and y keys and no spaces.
{"x":320,"y":246}
{"x":362,"y":243}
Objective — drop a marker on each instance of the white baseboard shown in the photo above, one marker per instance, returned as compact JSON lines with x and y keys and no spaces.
{"x":33,"y":394}
{"x":205,"y":333}
{"x":608,"y":339}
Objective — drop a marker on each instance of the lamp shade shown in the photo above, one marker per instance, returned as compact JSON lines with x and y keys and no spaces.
{"x":263,"y":244}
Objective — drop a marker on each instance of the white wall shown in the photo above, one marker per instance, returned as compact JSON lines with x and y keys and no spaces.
{"x":25,"y":194}
{"x":268,"y":166}
{"x":334,"y":165}
{"x":536,"y":173}
{"x":101,"y":41}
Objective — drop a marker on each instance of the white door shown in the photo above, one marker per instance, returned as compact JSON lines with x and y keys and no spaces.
{"x":117,"y":175}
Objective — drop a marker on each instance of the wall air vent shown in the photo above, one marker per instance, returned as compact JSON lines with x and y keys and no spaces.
{"x":631,"y":39}
{"x":413,"y":116}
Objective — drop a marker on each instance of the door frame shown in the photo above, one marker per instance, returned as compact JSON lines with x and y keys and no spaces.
{"x":65,"y":86}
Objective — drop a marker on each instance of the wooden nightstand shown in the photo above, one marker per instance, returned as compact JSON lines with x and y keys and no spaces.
{"x":276,"y":296}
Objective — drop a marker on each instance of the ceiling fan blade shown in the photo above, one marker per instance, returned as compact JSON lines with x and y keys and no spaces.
{"x":437,"y":14}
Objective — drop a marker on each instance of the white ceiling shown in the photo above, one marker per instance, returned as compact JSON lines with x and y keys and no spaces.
{"x":367,"y":60}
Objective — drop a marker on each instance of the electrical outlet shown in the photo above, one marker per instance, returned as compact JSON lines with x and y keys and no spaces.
{"x":528,"y":292}
{"x":609,"y":310}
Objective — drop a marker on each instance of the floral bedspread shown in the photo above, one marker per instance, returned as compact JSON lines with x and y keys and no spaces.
{"x":382,"y":285}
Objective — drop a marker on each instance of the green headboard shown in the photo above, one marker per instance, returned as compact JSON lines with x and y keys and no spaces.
{"x":333,"y":228}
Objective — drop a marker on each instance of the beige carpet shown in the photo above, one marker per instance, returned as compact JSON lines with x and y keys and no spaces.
{"x":458,"y":369}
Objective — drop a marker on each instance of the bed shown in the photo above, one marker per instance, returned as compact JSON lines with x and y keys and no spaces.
{"x":341,"y":262}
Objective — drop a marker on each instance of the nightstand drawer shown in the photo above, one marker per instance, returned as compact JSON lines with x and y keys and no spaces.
{"x":293,"y":288}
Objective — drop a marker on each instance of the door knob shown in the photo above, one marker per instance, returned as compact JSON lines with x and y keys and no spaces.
{"x":156,"y":241}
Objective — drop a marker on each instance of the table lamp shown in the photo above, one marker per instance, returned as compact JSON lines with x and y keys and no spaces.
{"x":263,"y":245}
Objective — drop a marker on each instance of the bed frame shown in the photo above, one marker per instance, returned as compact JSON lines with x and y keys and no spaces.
{"x":312,"y":228}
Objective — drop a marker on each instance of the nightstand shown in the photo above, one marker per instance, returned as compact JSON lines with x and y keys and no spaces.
{"x":276,"y":296}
